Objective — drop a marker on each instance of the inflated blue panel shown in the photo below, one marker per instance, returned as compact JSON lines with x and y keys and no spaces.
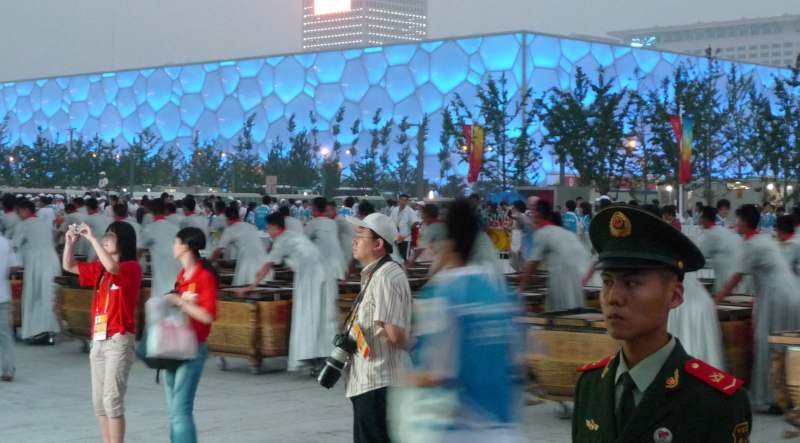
{"x":211,"y":67}
{"x":476,"y":65}
{"x":260,"y":127}
{"x":51,"y":96}
{"x":306,"y":60}
{"x":662,"y":70}
{"x":546,"y":51}
{"x":24,"y":88}
{"x":146,"y":73}
{"x":139,"y":89}
{"x":96,"y":100}
{"x":191,"y":78}
{"x":646,"y":59}
{"x":544,"y":79}
{"x":376,"y":98}
{"x":300,"y":107}
{"x":207,"y":127}
{"x":351,"y":54}
{"x":110,"y":88}
{"x":574,"y":50}
{"x":191,"y":108}
{"x":28,"y":132}
{"x":110,"y":124}
{"x":603,"y":54}
{"x":431,"y":46}
{"x":79,"y":88}
{"x":131,"y":128}
{"x":59,"y":125}
{"x":274,"y":61}
{"x":499,"y":52}
{"x":449,"y":67}
{"x":9,"y":98}
{"x":168,"y":120}
{"x":250,"y":68}
{"x":126,"y":79}
{"x":23,"y":109}
{"x":231,"y":118}
{"x":266,"y":80}
{"x":470,"y":45}
{"x":410,"y":108}
{"x":212,"y":91}
{"x":327,"y":100}
{"x":430,"y":99}
{"x":273,"y":109}
{"x":399,"y":54}
{"x":475,"y":79}
{"x":63,"y":82}
{"x":159,"y":89}
{"x":420,"y":67}
{"x":620,"y":51}
{"x":329,"y":67}
{"x":249,"y":94}
{"x":670,"y":57}
{"x":625,"y":66}
{"x":125,"y":103}
{"x":78,"y":114}
{"x":308,"y":90}
{"x":230,"y":79}
{"x":146,"y":115}
{"x":289,"y":79}
{"x":173,"y":72}
{"x":376,"y":65}
{"x":399,"y":83}
{"x":354,"y":81}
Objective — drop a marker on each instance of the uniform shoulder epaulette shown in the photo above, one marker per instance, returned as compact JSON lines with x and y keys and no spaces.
{"x":716,"y":378}
{"x":595,"y":365}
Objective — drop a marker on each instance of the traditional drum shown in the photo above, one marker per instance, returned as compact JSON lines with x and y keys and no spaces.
{"x":735,"y":321}
{"x":144,"y":295}
{"x":274,"y":319}
{"x":785,"y":372}
{"x":562,"y":341}
{"x":74,"y":309}
{"x":16,"y":300}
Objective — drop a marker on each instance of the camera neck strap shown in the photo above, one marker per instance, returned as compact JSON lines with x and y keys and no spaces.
{"x":352,"y":315}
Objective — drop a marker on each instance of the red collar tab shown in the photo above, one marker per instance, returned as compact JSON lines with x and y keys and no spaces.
{"x":596,"y":365}
{"x":188,"y":213}
{"x":751,"y":234}
{"x":545,"y":223}
{"x":159,"y":217}
{"x":717,"y":379}
{"x":708,"y":224}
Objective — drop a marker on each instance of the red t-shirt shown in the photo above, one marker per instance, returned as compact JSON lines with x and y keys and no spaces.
{"x":204,"y":284}
{"x":121,"y":291}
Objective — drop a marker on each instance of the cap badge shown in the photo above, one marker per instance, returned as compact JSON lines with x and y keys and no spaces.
{"x":620,"y":225}
{"x":662,"y":435}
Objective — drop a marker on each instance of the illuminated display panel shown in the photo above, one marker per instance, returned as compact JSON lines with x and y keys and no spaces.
{"x":323,"y":7}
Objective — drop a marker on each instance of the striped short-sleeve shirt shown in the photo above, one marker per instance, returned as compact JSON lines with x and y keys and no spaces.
{"x":387,"y":300}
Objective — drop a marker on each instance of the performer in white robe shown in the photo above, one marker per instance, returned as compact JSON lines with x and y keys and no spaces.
{"x":250,"y":252}
{"x":696,"y":323}
{"x":157,"y":237}
{"x":74,"y":217}
{"x":564,"y":257}
{"x":314,"y":296}
{"x":194,"y":219}
{"x":721,"y":246}
{"x":777,"y":295}
{"x":97,"y":221}
{"x":324,"y":232}
{"x":33,"y":242}
{"x":789,"y":243}
{"x":292,"y":224}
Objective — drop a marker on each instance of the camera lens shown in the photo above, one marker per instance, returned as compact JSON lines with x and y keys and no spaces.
{"x":332,"y":370}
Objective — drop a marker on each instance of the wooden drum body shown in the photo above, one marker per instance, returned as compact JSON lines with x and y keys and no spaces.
{"x":785,"y":371}
{"x":562,"y":341}
{"x":16,"y":303}
{"x":736,"y":324}
{"x":74,"y":308}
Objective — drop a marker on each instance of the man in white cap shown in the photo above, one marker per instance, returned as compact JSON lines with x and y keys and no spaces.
{"x":379,"y":325}
{"x":314,"y":294}
{"x":103,"y":182}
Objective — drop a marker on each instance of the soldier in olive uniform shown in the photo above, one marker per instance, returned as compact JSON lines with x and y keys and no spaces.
{"x":651,"y":390}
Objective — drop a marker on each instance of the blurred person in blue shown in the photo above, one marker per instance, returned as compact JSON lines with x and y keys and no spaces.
{"x":261,"y":213}
{"x":584,"y":219}
{"x":570,"y":219}
{"x":465,"y":363}
{"x":768,"y":218}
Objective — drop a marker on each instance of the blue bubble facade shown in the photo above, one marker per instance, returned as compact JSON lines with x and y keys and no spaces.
{"x":214,"y":99}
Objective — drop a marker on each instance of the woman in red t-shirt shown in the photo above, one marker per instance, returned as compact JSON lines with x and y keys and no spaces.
{"x":116,"y":278}
{"x":196,"y":294}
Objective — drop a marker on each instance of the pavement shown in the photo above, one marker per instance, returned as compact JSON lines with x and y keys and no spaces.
{"x":50,"y":402}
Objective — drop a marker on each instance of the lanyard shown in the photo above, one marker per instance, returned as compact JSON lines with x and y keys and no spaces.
{"x":108,"y":293}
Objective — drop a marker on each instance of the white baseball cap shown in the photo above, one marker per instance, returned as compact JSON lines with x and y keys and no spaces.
{"x":378,"y":223}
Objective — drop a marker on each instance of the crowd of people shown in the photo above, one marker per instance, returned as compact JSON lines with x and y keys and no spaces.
{"x":461,"y":317}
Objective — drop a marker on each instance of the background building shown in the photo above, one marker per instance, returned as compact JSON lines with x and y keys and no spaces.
{"x":771,"y":40}
{"x":333,"y":24}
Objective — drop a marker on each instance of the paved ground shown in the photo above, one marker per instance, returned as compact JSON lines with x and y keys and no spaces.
{"x":49,"y":402}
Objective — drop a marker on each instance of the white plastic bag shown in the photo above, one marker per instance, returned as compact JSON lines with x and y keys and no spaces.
{"x":169,"y":333}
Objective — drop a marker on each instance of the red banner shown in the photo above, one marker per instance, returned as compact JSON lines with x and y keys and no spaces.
{"x":476,"y":153}
{"x":683,"y":135}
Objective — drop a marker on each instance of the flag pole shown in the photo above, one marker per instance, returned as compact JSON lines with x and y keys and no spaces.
{"x":680,"y":182}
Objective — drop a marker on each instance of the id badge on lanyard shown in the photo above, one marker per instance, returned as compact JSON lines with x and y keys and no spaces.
{"x":100,"y":325}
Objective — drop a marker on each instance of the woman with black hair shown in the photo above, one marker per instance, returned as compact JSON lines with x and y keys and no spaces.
{"x":116,"y":277}
{"x":566,"y":259}
{"x":196,"y":295}
{"x":777,"y":301}
{"x":469,"y":315}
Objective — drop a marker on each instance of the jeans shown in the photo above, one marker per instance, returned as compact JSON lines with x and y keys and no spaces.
{"x":181,"y":385}
{"x":7,"y":360}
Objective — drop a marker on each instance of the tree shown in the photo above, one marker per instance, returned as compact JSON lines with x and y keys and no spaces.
{"x":787,"y":131}
{"x":737,"y":129}
{"x":301,"y":160}
{"x":331,"y":165}
{"x":419,"y":173}
{"x":508,"y":159}
{"x":588,"y":130}
{"x":447,"y":140}
{"x":204,"y":166}
{"x":403,"y":171}
{"x":365,"y":172}
{"x":246,"y":174}
{"x":277,"y":163}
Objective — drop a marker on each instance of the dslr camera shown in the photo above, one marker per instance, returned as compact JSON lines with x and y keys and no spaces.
{"x":344,"y":347}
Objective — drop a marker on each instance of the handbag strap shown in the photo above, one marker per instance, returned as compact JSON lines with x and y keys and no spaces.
{"x":351,"y":316}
